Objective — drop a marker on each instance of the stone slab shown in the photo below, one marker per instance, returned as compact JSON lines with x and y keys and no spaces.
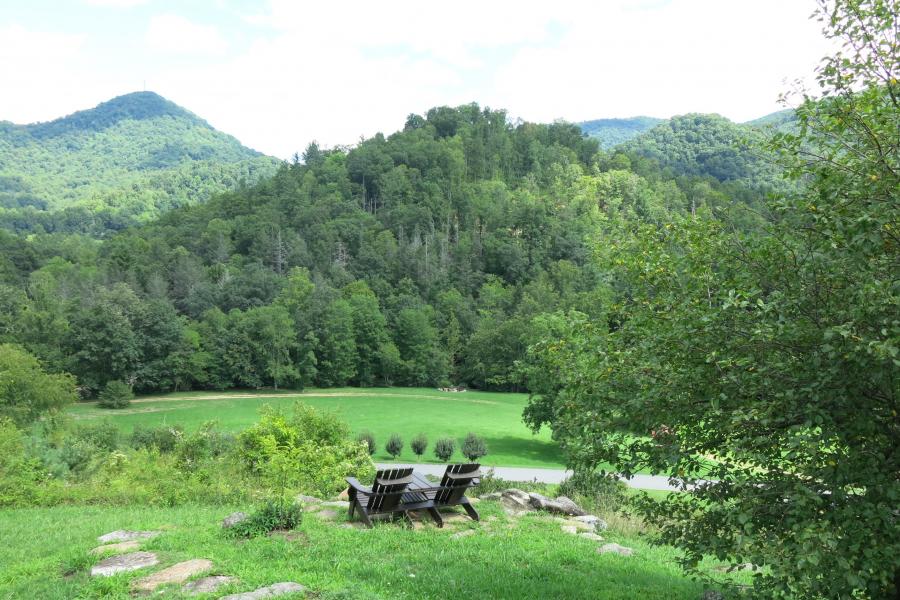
{"x":124,"y":563}
{"x":177,"y":573}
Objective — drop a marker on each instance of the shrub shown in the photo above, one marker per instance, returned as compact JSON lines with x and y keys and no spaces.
{"x":116,"y":394}
{"x":206,"y":443}
{"x":444,"y":449}
{"x":595,"y":489}
{"x":366,"y":437}
{"x":18,"y":475}
{"x":102,"y":436}
{"x":164,"y":437}
{"x":394,"y":445}
{"x":310,"y":452}
{"x":419,"y":444}
{"x":474,"y":447}
{"x":272,"y":515}
{"x":27,"y":393}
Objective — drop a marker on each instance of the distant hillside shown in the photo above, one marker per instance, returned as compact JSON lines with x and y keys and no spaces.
{"x":612,"y":132}
{"x":125,"y":161}
{"x":779,"y":120}
{"x":707,"y":145}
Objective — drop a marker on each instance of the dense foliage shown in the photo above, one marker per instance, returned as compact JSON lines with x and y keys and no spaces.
{"x":422,"y":258}
{"x":27,"y":392}
{"x":125,"y":161}
{"x":761,"y":367}
{"x":612,"y":132}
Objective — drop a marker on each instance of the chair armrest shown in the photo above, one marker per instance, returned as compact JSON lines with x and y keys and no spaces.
{"x":356,"y":485}
{"x":470,"y":475}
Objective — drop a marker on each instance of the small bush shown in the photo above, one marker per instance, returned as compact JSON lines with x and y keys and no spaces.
{"x":116,"y":394}
{"x":366,"y":437}
{"x":164,"y":438}
{"x":594,"y":489}
{"x":474,"y":447}
{"x":419,"y":444}
{"x":444,"y":449}
{"x":102,"y":436}
{"x":273,"y":515}
{"x":394,"y":445}
{"x":206,"y":443}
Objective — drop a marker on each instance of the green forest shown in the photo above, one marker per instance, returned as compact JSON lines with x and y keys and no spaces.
{"x":429,"y":257}
{"x":122,"y":163}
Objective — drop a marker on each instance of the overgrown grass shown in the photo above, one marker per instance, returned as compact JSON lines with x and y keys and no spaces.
{"x":495,"y":416}
{"x":45,"y":554}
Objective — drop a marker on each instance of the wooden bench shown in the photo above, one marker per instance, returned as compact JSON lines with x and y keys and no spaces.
{"x":389,"y":494}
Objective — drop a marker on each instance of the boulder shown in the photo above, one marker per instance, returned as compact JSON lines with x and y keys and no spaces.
{"x":615,"y":549}
{"x":119,"y":547}
{"x":592,"y":536}
{"x":345,"y":495}
{"x":125,"y":535}
{"x":276,"y":589}
{"x":207,"y":585}
{"x":177,"y":573}
{"x":304,"y":499}
{"x":561,"y":505}
{"x":233,"y":519}
{"x":124,"y":563}
{"x":597,"y":523}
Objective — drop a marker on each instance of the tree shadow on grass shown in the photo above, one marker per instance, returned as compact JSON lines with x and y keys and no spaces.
{"x":526,"y":449}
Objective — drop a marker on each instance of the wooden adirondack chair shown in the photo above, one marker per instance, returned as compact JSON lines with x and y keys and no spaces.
{"x":452,"y":491}
{"x":387,"y":495}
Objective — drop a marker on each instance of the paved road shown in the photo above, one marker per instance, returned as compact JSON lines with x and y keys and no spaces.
{"x":643,"y":482}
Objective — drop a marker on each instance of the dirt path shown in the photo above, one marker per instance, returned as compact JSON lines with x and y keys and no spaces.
{"x":253,"y":395}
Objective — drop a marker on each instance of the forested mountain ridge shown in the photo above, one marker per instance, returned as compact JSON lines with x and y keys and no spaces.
{"x":123,"y":162}
{"x":612,"y":132}
{"x":429,"y":256}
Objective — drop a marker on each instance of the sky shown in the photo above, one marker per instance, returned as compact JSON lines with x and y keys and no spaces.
{"x":278,"y":74}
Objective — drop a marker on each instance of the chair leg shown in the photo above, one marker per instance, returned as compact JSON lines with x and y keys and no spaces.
{"x":365,"y":517}
{"x":350,"y":511}
{"x":470,"y":510}
{"x":436,"y":515}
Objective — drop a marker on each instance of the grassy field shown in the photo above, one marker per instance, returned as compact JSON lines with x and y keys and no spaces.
{"x":495,"y":416}
{"x":45,"y":554}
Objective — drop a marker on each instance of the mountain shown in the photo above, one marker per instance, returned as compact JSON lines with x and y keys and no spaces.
{"x":708,"y":145}
{"x":612,"y":132}
{"x":125,"y":161}
{"x":778,"y":120}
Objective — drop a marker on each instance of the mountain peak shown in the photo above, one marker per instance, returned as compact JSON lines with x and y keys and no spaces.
{"x":133,"y":106}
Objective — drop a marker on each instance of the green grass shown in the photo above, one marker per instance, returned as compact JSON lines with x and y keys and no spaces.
{"x":44,"y":553}
{"x":407,"y":411}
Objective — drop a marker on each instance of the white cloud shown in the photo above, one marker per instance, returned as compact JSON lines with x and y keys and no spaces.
{"x":336,"y":71}
{"x":43,"y":75}
{"x":174,"y":34}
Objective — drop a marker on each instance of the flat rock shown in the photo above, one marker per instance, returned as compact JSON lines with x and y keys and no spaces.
{"x":276,"y":589}
{"x":561,"y":505}
{"x":569,"y":529}
{"x":596,"y":522}
{"x":331,"y":515}
{"x":615,"y":549}
{"x":125,"y":535}
{"x":124,"y":563}
{"x":233,"y":519}
{"x":578,"y":525}
{"x":337,"y":504}
{"x":592,"y":536}
{"x":119,"y":547}
{"x":207,"y":585}
{"x":304,"y":499}
{"x":177,"y":573}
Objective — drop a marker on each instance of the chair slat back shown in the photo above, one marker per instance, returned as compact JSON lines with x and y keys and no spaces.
{"x":453,"y":488}
{"x":388,"y":488}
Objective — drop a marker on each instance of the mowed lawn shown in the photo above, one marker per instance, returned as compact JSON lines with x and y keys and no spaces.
{"x":407,"y":411}
{"x":45,"y":554}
